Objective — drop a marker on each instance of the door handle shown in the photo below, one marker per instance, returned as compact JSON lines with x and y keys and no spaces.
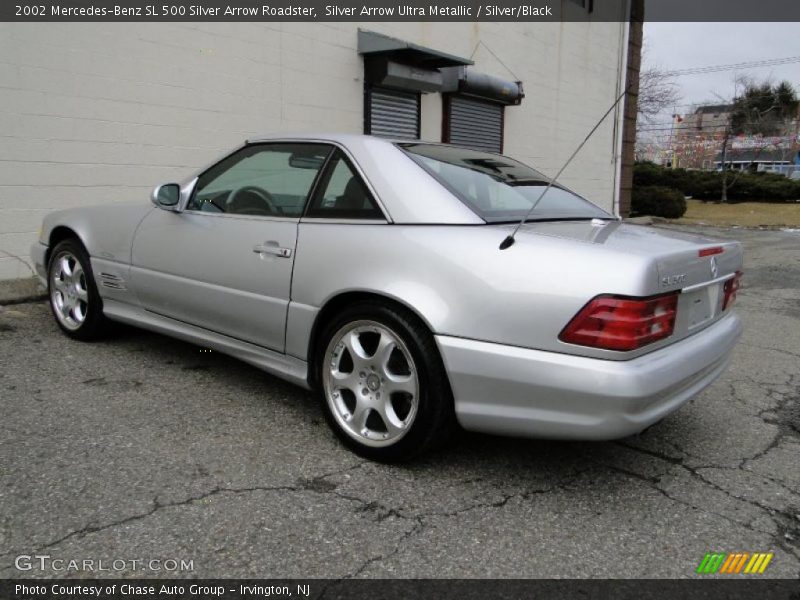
{"x":272,"y":248}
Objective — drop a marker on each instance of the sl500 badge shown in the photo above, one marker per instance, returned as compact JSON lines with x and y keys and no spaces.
{"x":672,"y":280}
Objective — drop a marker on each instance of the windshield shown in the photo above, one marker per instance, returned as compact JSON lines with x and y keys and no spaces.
{"x":499,"y":188}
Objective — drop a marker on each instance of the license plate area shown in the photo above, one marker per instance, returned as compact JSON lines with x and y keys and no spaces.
{"x":703,"y":305}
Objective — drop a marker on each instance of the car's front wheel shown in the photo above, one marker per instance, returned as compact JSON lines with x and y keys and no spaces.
{"x":74,"y":298}
{"x":385,"y":391}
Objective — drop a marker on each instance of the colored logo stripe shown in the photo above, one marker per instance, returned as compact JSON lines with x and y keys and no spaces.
{"x":758,"y":563}
{"x":734,"y":563}
{"x":711,"y":562}
{"x":724,"y":563}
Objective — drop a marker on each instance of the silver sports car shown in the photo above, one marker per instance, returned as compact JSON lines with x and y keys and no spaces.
{"x":370,"y":270}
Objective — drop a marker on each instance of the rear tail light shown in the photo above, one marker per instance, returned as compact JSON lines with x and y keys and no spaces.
{"x":730,"y":288}
{"x":620,"y":323}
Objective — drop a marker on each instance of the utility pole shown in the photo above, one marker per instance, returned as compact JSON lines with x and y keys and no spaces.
{"x":724,"y":157}
{"x":673,"y":154}
{"x":725,"y":135}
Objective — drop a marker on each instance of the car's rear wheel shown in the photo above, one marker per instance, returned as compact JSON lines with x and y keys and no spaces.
{"x":74,"y":298}
{"x":386,"y":394}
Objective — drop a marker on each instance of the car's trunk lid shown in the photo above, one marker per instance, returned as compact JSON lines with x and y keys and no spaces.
{"x":683,"y":259}
{"x":695,"y":265}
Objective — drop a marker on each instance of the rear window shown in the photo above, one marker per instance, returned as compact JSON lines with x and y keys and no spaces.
{"x":499,"y":188}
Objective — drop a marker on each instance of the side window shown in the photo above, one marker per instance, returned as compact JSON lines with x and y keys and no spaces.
{"x":342,"y":194}
{"x":262,"y":180}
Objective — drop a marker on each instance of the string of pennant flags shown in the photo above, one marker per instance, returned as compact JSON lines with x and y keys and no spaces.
{"x":680,"y":145}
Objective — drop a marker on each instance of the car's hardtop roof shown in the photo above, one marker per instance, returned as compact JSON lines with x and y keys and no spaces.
{"x":343,"y":138}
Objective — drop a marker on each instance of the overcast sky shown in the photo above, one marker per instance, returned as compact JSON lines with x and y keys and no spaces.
{"x":673,"y":46}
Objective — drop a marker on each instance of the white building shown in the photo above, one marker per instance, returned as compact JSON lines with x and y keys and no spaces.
{"x":101,"y":112}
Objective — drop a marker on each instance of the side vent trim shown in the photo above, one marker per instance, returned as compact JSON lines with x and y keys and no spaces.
{"x":110,"y":280}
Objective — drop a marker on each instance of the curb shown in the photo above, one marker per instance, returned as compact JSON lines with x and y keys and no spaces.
{"x":17,"y":291}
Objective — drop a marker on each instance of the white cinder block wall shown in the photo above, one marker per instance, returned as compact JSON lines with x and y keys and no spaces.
{"x":97,"y":113}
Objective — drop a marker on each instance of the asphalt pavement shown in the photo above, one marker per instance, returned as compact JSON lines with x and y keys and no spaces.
{"x":141,"y":448}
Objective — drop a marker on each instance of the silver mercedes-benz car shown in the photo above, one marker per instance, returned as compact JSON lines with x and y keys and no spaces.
{"x":371,"y":271}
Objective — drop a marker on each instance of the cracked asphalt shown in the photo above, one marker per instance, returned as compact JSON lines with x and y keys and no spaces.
{"x":142,"y":447}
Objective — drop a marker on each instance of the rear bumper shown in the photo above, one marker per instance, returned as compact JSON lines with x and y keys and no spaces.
{"x":515,"y":391}
{"x":38,"y":253}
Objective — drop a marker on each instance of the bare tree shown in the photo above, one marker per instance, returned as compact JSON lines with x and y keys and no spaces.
{"x":657,"y":93}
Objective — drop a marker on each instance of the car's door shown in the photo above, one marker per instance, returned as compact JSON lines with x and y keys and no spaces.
{"x":225,"y":262}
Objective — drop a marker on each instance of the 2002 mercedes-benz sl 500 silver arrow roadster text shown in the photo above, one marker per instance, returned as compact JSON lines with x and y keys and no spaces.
{"x":369,"y":270}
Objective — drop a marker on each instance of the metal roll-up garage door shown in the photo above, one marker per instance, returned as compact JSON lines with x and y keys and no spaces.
{"x":475,"y":124}
{"x":393,"y":113}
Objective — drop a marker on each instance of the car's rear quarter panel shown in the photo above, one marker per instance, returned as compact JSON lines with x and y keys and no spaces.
{"x":457,"y":281}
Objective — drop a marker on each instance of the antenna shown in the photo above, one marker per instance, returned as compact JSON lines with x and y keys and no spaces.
{"x":509,"y":241}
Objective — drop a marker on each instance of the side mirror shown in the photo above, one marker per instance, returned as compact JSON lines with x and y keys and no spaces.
{"x":167,"y":196}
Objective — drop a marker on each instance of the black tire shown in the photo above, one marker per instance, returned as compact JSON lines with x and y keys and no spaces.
{"x":434,"y":420}
{"x":94,"y":324}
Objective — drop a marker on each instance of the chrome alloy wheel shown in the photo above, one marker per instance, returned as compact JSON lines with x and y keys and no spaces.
{"x":371,"y":383}
{"x":69,"y":294}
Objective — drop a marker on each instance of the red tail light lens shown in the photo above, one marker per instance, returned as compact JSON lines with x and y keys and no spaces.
{"x":619,"y":323}
{"x":730,"y":288}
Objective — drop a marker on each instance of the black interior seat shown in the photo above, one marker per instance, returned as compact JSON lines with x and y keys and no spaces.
{"x":353,"y":197}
